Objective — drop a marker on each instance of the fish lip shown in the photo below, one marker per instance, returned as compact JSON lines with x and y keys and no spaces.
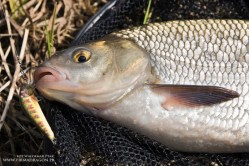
{"x":46,"y":74}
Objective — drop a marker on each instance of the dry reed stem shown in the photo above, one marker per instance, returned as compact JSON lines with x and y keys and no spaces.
{"x":12,"y":145}
{"x":8,"y":82}
{"x":4,"y":56}
{"x":18,"y":67}
{"x":18,"y":28}
{"x":30,"y":3}
{"x":7,"y":35}
{"x":6,"y":67}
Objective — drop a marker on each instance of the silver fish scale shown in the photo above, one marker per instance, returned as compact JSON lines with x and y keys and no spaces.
{"x":202,"y":52}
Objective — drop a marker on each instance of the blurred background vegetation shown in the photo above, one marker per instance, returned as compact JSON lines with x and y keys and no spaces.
{"x":51,"y":26}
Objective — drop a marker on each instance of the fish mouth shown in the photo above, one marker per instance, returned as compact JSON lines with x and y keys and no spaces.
{"x":54,"y":84}
{"x":45,"y":77}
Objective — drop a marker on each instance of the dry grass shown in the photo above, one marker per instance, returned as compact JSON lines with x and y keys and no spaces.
{"x":30,"y":32}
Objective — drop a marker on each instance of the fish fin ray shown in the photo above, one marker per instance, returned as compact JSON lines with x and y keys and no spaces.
{"x":192,"y":95}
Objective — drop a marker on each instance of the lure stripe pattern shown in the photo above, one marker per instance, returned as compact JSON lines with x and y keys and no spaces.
{"x":30,"y":104}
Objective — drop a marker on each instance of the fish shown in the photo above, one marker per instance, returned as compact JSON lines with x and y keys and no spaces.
{"x":183,"y":83}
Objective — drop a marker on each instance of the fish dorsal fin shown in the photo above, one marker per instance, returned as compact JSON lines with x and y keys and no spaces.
{"x":192,"y":95}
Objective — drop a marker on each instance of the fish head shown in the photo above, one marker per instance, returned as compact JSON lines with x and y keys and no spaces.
{"x":93,"y":75}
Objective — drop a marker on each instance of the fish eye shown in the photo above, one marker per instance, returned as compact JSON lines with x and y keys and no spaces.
{"x":81,"y":56}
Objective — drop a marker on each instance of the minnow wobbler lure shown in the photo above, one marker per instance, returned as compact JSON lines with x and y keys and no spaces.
{"x":31,"y":105}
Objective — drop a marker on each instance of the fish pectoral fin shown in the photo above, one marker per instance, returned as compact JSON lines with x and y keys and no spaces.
{"x":192,"y":95}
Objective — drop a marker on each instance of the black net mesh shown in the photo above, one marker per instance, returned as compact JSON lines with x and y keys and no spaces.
{"x":83,"y":139}
{"x":116,"y":15}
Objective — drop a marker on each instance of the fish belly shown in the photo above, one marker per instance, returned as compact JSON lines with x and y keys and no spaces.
{"x":194,"y":52}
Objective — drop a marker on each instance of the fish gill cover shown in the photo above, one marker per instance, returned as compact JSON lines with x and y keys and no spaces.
{"x":87,"y":140}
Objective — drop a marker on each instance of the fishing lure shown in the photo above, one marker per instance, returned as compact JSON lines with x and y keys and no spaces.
{"x":31,"y":105}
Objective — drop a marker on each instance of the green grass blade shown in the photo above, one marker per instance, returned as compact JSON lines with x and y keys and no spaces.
{"x":146,"y":17}
{"x":50,"y":33}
